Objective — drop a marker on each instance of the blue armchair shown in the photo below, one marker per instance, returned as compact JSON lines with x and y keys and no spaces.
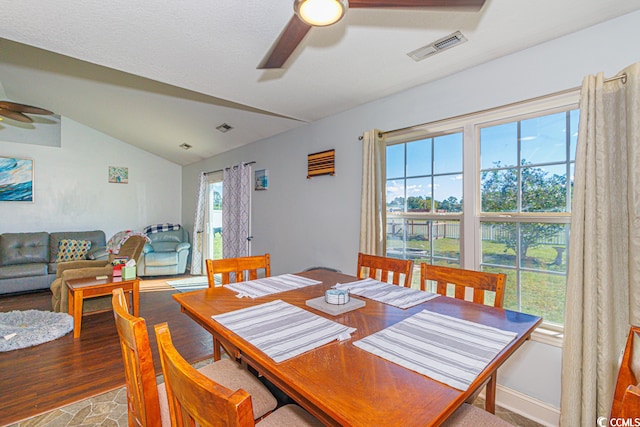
{"x":166,"y":254}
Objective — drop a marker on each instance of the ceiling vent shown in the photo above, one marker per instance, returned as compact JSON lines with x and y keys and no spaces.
{"x":224,"y":128}
{"x":437,"y":46}
{"x":185,"y":146}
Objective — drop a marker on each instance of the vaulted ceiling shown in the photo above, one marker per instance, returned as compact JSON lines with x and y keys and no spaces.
{"x":157,"y":74}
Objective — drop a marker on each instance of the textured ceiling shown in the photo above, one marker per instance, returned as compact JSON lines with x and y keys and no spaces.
{"x":156,"y":74}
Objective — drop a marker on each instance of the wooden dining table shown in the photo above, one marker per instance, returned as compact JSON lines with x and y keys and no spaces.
{"x":341,"y":384}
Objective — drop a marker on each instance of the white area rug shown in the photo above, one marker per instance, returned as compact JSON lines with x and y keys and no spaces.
{"x":189,"y":284}
{"x":20,"y":329}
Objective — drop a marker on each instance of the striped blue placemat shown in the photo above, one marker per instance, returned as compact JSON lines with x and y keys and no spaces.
{"x":397,"y":296}
{"x":282,"y":330}
{"x":447,"y":349}
{"x":270,"y":285}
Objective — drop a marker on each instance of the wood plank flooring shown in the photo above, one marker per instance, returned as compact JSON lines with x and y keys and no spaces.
{"x":41,"y":378}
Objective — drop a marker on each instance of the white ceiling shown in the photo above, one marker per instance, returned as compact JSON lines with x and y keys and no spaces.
{"x":157,"y":74}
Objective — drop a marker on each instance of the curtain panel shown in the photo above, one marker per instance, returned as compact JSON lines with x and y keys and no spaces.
{"x":603,"y":283}
{"x":198,"y":226}
{"x":373,"y":199}
{"x":236,"y":211}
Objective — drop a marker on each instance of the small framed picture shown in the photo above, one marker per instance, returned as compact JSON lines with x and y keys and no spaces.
{"x":16,"y":179}
{"x":262,"y":179}
{"x":118,"y":175}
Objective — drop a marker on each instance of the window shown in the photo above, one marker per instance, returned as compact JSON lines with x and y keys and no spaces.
{"x":526,"y":181}
{"x":492,"y":192}
{"x":424,"y":200}
{"x":213,"y":219}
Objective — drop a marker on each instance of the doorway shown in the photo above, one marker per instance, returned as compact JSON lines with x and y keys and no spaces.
{"x":213,"y":219}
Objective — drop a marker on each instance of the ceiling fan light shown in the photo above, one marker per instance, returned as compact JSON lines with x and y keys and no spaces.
{"x":320,"y":13}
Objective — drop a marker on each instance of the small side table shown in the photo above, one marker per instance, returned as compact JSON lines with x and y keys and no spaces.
{"x":80,"y":289}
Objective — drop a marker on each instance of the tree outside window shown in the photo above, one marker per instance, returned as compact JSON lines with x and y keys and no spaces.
{"x":517,"y":208}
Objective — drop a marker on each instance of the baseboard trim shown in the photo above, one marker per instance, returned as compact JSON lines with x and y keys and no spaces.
{"x":527,"y":406}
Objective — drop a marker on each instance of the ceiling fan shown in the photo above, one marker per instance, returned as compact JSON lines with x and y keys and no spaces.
{"x":321,"y":13}
{"x":15,"y":111}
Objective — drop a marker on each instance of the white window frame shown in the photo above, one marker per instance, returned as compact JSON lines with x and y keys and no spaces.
{"x":471,"y":216}
{"x":433,"y":216}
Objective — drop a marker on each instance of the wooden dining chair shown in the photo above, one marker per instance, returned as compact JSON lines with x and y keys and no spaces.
{"x":235,"y":270}
{"x":481,"y":284}
{"x":195,"y":399}
{"x":380,"y":268}
{"x":244,"y":268}
{"x":146,"y":400}
{"x":626,"y":396}
{"x":143,"y":403}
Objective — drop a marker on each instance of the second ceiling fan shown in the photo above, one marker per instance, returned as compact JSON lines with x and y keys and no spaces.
{"x":321,"y":13}
{"x":18,"y":112}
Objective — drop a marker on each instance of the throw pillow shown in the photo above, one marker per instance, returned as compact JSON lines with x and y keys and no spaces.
{"x":71,"y":250}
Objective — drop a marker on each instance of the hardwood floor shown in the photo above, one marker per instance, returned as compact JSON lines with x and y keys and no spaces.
{"x":41,"y":378}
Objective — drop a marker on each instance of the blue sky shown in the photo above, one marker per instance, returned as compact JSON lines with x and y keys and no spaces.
{"x":447,"y":151}
{"x":542,"y":141}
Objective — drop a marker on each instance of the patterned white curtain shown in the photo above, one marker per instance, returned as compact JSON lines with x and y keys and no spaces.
{"x":236,"y":210}
{"x":198,"y":226}
{"x":603,"y":282}
{"x":373,"y":211}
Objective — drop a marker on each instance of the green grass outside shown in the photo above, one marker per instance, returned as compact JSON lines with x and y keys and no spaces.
{"x":217,"y":246}
{"x":541,"y":292}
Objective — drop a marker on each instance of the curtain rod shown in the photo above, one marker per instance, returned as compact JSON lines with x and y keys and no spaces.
{"x":622,"y":77}
{"x":229,"y":167}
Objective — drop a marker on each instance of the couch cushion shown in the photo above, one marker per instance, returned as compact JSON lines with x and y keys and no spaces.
{"x":97,"y":238}
{"x":71,"y":250}
{"x":161,"y":259}
{"x":23,"y":270}
{"x":100,"y":252}
{"x":164,"y":246}
{"x":24,"y":248}
{"x":25,"y":284}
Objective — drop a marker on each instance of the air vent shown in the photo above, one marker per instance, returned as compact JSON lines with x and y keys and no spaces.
{"x":224,"y":128}
{"x":185,"y":146}
{"x":437,"y":46}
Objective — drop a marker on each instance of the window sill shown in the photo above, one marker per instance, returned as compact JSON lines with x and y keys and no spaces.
{"x":548,"y":336}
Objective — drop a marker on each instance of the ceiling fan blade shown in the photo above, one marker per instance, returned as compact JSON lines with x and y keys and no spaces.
{"x":288,"y":41}
{"x":407,"y":4}
{"x":22,"y":108}
{"x":15,"y":116}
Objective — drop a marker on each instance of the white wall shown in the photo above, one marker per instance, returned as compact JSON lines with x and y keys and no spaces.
{"x":71,"y":189}
{"x":310,"y":222}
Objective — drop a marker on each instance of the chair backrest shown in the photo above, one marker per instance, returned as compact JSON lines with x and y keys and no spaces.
{"x":142,"y":390}
{"x":379,"y":268}
{"x":195,"y":398}
{"x":480,"y":281}
{"x":626,"y":397}
{"x":244,"y":268}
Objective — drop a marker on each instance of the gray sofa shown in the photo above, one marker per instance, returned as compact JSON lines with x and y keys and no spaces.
{"x":166,"y":254}
{"x":27,"y":260}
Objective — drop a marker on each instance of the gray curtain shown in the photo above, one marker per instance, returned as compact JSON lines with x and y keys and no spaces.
{"x":373,"y":205}
{"x":236,"y":211}
{"x":603,"y":285}
{"x":198,"y":226}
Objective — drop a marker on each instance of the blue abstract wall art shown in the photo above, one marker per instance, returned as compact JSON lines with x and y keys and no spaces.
{"x":16,"y":180}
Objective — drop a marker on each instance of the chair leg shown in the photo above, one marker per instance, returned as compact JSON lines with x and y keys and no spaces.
{"x":216,"y":350}
{"x":490,"y":398}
